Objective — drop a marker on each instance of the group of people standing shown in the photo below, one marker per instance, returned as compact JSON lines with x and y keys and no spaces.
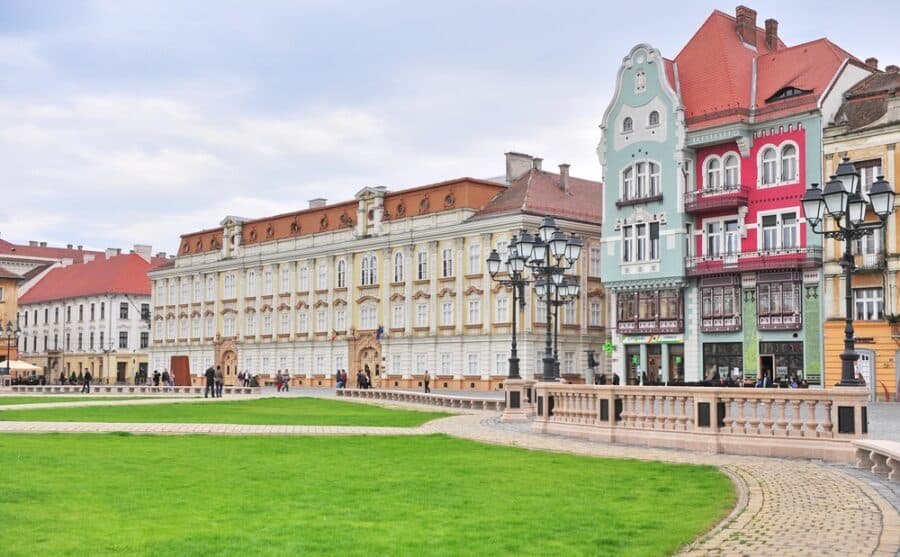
{"x":215,"y":380}
{"x":282,"y":381}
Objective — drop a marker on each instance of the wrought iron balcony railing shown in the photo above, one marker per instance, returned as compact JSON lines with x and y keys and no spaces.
{"x":774,"y":259}
{"x":715,"y":199}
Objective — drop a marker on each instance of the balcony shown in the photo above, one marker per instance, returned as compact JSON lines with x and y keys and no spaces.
{"x":785,"y":322}
{"x":639,"y":200}
{"x":650,"y":326}
{"x":869,"y":261}
{"x":727,"y":324}
{"x":776,"y":259}
{"x":716,"y":199}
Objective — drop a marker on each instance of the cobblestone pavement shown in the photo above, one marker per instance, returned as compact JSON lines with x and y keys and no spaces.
{"x":786,"y":507}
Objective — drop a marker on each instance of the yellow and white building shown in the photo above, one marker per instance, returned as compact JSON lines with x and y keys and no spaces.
{"x":393,"y":282}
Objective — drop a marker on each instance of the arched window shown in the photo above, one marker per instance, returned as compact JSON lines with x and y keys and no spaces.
{"x":627,"y":124}
{"x":341,"y":274}
{"x":447,"y":262}
{"x":732,"y":170}
{"x":769,"y":166}
{"x":788,"y":163}
{"x":398,"y":267}
{"x":654,"y":178}
{"x":369,"y":270}
{"x":713,"y":173}
{"x":628,"y":183}
{"x":654,"y":118}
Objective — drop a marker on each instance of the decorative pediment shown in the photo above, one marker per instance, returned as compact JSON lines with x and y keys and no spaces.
{"x":395,"y":297}
{"x":249,"y":309}
{"x":158,"y":317}
{"x":339,"y":302}
{"x":421,"y":294}
{"x":170,"y":315}
{"x":446,"y":292}
{"x":301,"y":305}
{"x":498,"y":287}
{"x":209,"y":313}
{"x":228,"y":310}
{"x":266,"y":308}
{"x":283,"y":306}
{"x":473,"y":290}
{"x":320,"y":304}
{"x":182,"y":315}
{"x":366,"y":298}
{"x":596,"y":292}
{"x":195,"y":313}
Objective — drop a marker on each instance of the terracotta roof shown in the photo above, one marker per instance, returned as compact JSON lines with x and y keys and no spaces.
{"x":120,"y":274}
{"x":7,"y":274}
{"x":35,"y":271}
{"x":716,"y":72}
{"x":539,"y":193}
{"x":45,"y":252}
{"x":866,"y":102}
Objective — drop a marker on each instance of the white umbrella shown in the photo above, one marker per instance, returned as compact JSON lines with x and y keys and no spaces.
{"x":19,"y":365}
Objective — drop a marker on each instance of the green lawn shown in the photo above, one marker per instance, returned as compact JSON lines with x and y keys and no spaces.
{"x":265,"y":411}
{"x":35,"y":399}
{"x":347,"y":496}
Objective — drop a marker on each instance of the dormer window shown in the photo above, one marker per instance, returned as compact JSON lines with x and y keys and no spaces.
{"x":786,"y":93}
{"x":654,"y":119}
{"x":627,"y":125}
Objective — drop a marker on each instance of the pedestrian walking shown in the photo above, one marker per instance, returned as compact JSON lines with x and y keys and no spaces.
{"x":220,"y":381}
{"x":86,"y":386}
{"x":210,"y":383}
{"x":427,"y":380}
{"x":286,"y":381}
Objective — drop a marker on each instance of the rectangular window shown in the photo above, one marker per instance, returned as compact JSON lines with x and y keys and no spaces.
{"x":185,"y":291}
{"x":91,"y":341}
{"x":420,"y":363}
{"x":368,"y":316}
{"x":92,"y":314}
{"x":595,"y":314}
{"x":195,"y":327}
{"x":422,"y":265}
{"x":789,"y":231}
{"x":397,"y":314}
{"x":627,"y":244}
{"x":594,"y":258}
{"x":654,"y":241}
{"x":302,"y":322}
{"x":569,"y":313}
{"x":285,"y":280}
{"x":868,"y":172}
{"x":569,"y":362}
{"x":340,"y":319}
{"x":447,"y":313}
{"x":80,"y":343}
{"x":474,"y":312}
{"x":284,"y":323}
{"x":501,"y":364}
{"x":123,"y":339}
{"x":421,"y":314}
{"x":474,"y":259}
{"x":102,"y":310}
{"x":210,"y":327}
{"x":472,"y":368}
{"x":321,"y":319}
{"x":640,"y":235}
{"x":502,"y":310}
{"x":447,"y":263}
{"x":303,"y":279}
{"x":869,"y":303}
{"x":198,"y":290}
{"x":267,"y":323}
{"x":80,"y":313}
{"x":713,"y":239}
{"x":770,"y":232}
{"x":250,"y":325}
{"x":322,"y":281}
{"x":267,"y":282}
{"x":145,"y":339}
{"x":229,"y":286}
{"x":446,"y":363}
{"x":123,"y":310}
{"x":210,"y":288}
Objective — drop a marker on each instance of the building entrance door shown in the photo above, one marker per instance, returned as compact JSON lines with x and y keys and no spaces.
{"x":229,"y":363}
{"x":865,"y":370}
{"x":120,"y":372}
{"x":654,"y":363}
{"x":767,"y":366}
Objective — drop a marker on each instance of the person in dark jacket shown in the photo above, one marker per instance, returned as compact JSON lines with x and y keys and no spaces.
{"x":86,"y":387}
{"x":210,"y":382}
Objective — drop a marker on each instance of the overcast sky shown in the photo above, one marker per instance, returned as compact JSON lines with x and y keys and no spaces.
{"x":127,"y":122}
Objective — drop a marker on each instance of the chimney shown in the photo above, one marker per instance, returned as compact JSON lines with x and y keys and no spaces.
{"x":891,"y":68}
{"x":161,"y":254}
{"x":771,"y":34}
{"x":746,"y":24}
{"x":144,"y":250}
{"x":872,"y":62}
{"x":80,"y":247}
{"x":317,"y":202}
{"x":68,"y":246}
{"x":517,"y":165}
{"x":564,"y":177}
{"x":43,"y":244}
{"x":536,"y":163}
{"x":88,"y":257}
{"x":33,"y":243}
{"x":111,"y":252}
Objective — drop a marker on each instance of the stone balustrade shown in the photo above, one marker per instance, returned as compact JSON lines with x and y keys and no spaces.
{"x":806,"y":423}
{"x":448,"y":401}
{"x":879,"y":457}
{"x":128,"y":389}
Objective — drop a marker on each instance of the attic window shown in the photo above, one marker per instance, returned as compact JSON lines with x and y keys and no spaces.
{"x":786,"y":93}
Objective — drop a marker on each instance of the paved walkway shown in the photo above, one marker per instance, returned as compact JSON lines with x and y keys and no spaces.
{"x":786,"y":507}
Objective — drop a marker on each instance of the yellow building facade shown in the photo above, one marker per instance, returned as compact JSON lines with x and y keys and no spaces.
{"x":867,"y":130}
{"x":391,"y":282}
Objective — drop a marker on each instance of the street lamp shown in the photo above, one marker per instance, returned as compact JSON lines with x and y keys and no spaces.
{"x":11,"y":333}
{"x":843,"y":199}
{"x":548,"y":253}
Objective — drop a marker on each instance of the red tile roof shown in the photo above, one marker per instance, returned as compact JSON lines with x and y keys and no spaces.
{"x":716,"y":73}
{"x":120,"y":274}
{"x":45,"y":252}
{"x":539,"y":193}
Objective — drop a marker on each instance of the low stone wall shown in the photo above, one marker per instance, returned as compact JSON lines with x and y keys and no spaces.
{"x":127,"y":389}
{"x":448,"y":401}
{"x":804,"y":423}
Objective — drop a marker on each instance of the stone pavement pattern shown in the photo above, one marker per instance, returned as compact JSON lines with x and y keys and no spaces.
{"x":787,"y":507}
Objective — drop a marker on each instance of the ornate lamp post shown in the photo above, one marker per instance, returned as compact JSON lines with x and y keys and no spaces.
{"x":843,"y":199}
{"x":549,"y":253}
{"x":515,"y":269}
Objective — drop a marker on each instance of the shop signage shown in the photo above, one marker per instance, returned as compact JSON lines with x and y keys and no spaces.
{"x":653,"y":339}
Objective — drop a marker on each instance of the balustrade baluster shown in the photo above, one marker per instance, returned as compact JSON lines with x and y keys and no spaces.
{"x":729,"y":416}
{"x":641,"y":411}
{"x":754,"y":417}
{"x":827,"y":426}
{"x":812,"y":424}
{"x":781,"y":423}
{"x":741,"y":419}
{"x":767,"y":417}
{"x":796,"y":422}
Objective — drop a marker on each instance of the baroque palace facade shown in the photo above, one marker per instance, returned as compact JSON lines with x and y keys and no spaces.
{"x":392,"y":282}
{"x":867,"y":130}
{"x":712,"y":270}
